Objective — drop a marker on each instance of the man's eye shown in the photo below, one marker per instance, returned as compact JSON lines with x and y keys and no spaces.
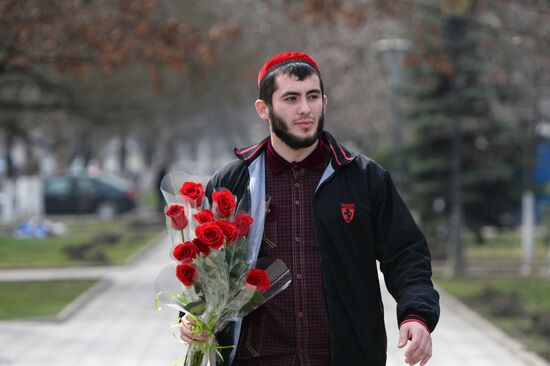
{"x":313,"y":96}
{"x":290,"y":99}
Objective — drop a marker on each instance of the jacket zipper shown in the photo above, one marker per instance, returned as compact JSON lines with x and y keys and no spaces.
{"x":321,"y":184}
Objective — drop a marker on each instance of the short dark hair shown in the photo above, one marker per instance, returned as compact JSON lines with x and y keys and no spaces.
{"x":299,"y":69}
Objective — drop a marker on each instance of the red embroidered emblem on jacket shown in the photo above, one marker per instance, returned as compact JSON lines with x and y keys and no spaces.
{"x":348,"y":211}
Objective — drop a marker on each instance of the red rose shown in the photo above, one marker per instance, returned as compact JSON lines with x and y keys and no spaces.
{"x":203,"y":248}
{"x":230,"y":231}
{"x":185,"y":252}
{"x":204,"y":217}
{"x":176,"y":213}
{"x":225,"y":202}
{"x":193,"y":192}
{"x":243,"y":222}
{"x":211,"y":235}
{"x":186,"y":273}
{"x":258,"y":278}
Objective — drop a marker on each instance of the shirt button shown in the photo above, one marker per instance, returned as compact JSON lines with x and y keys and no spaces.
{"x":297,"y":202}
{"x":296,"y":185}
{"x":297,"y":238}
{"x":299,"y":276}
{"x":300,"y":315}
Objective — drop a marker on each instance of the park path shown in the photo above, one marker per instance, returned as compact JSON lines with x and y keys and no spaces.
{"x":115,"y":324}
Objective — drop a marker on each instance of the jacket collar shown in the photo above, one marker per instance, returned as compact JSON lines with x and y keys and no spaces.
{"x":248,"y":154}
{"x":340,"y":156}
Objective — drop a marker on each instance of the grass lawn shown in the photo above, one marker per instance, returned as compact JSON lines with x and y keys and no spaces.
{"x":87,"y":242}
{"x":519,"y":306}
{"x":505,"y":244}
{"x":148,"y":198}
{"x":20,"y":300}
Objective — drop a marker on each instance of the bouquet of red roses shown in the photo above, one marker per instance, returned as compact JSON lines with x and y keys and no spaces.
{"x":214,"y":278}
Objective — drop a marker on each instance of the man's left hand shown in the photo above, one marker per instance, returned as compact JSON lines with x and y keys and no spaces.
{"x":420,"y":349}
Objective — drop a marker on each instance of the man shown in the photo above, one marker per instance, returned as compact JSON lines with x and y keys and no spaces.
{"x":332,"y":214}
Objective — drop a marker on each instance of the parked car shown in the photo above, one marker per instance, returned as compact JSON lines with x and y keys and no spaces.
{"x":104,"y":195}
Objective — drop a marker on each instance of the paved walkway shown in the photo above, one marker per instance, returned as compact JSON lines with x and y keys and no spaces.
{"x":118,"y":326}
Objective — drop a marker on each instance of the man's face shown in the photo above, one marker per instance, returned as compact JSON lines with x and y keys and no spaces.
{"x":297,"y":113}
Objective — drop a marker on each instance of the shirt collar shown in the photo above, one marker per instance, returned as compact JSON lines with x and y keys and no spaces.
{"x":314,"y":161}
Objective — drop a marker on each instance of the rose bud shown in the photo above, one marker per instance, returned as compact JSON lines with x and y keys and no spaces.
{"x":186,"y":273}
{"x":176,"y":213}
{"x":225,"y":202}
{"x":204,"y":217}
{"x":193,"y":192}
{"x":211,"y":235}
{"x":243,"y":223}
{"x":230,"y":231}
{"x":185,"y":252}
{"x":258,"y":278}
{"x":203,"y":248}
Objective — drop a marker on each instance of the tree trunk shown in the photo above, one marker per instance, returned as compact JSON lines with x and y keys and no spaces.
{"x":480,"y":240}
{"x":9,"y":138}
{"x":32,"y":166}
{"x":122,"y":153}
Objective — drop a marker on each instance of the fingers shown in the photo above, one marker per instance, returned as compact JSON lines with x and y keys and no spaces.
{"x":189,"y":333}
{"x":420,"y":345}
{"x":414,"y":347}
{"x":403,"y":337}
{"x":420,"y":349}
{"x":427,"y":357}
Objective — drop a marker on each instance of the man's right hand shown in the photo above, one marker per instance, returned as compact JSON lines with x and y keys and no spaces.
{"x":188,"y":332}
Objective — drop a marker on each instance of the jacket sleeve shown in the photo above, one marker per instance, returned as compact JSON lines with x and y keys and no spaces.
{"x":233,"y":176}
{"x":404,"y":256}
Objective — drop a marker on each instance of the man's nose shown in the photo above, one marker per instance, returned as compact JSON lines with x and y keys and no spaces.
{"x":305,"y":108}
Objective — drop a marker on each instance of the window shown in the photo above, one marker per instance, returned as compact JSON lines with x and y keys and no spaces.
{"x":86,"y":186}
{"x":58,"y":187}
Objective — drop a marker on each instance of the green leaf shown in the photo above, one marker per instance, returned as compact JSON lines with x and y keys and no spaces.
{"x":197,"y":307}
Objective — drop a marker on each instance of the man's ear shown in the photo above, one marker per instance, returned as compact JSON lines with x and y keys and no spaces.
{"x":325,"y":101}
{"x":262,"y":109}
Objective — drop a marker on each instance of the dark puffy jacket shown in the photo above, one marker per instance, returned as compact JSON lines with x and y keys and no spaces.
{"x":382,"y":229}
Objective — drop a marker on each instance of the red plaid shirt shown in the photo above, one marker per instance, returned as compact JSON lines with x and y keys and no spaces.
{"x":293,"y":327}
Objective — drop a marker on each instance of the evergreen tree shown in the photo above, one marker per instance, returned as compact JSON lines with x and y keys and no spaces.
{"x":446,"y":67}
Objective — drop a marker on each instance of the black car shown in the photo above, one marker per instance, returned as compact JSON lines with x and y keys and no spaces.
{"x":103,"y":195}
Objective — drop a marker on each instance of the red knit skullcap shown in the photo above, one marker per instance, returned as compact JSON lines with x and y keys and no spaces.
{"x":283,"y":59}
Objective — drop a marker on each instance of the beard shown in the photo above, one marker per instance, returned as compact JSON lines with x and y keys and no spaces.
{"x":280,"y":129}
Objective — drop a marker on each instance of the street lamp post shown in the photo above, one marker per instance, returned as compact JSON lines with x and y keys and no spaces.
{"x":392,"y":53}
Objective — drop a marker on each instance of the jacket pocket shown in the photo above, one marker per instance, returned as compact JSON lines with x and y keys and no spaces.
{"x":252,"y":335}
{"x":269,"y":239}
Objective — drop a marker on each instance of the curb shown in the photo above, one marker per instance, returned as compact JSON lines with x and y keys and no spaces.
{"x":103,"y":282}
{"x":529,"y":357}
{"x":65,"y":273}
{"x":81,"y":301}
